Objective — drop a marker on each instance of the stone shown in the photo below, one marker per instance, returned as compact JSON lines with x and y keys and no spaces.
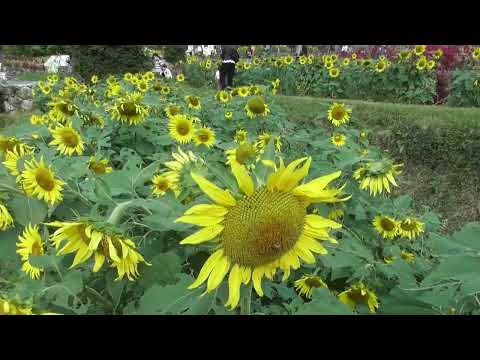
{"x":26,"y":105}
{"x":16,"y":95}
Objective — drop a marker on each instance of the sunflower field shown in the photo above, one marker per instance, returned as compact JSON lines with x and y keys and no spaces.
{"x":134,"y":195}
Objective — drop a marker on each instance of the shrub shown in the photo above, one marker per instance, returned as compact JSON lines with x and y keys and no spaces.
{"x":465,"y":88}
{"x":174,"y":53}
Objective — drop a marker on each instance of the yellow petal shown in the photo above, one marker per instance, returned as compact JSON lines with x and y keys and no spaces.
{"x":234,"y":282}
{"x":257,"y":280}
{"x":218,"y":273}
{"x":207,"y":209}
{"x":289,"y":176}
{"x":318,"y":222}
{"x":99,"y":259}
{"x":246,"y":275}
{"x":218,"y":195}
{"x":312,"y":188}
{"x":207,"y":269}
{"x":245,"y":182}
{"x":312,"y":244}
{"x":205,"y":234}
{"x":200,"y":220}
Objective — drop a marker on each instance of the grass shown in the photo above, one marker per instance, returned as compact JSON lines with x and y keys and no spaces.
{"x":33,"y":76}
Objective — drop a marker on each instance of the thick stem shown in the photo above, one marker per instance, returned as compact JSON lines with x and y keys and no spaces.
{"x":117,"y":213}
{"x":246,"y":302}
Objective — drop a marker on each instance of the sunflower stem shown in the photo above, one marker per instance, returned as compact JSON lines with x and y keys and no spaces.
{"x":246,"y":303}
{"x":117,"y":213}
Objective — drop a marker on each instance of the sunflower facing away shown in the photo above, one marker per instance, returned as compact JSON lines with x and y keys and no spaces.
{"x":307,"y":283}
{"x":67,"y":140}
{"x":245,"y":154}
{"x":223,"y":96}
{"x":407,"y":256}
{"x":193,"y":102}
{"x":410,"y":228}
{"x":267,"y":229}
{"x":30,"y":243}
{"x":181,"y":128}
{"x":359,"y":294}
{"x":6,"y":220}
{"x":204,"y":136}
{"x":129,"y":109}
{"x":339,"y":114}
{"x":39,"y":181}
{"x":161,"y":183}
{"x":256,"y":106}
{"x":377,"y":176}
{"x":12,"y":158}
{"x":182,"y":165}
{"x":99,"y":167}
{"x":86,"y":238}
{"x":386,"y":226}
{"x":339,"y":140}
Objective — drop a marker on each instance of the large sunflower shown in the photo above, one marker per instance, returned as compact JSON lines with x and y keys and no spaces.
{"x":99,"y":167}
{"x":204,"y":136}
{"x":193,"y":102}
{"x":256,"y":106}
{"x":359,"y":294}
{"x":267,"y":229}
{"x":181,"y":128}
{"x":30,"y":243}
{"x":39,"y":181}
{"x":129,"y":109}
{"x":307,"y":283}
{"x":377,"y":176}
{"x":339,"y":114}
{"x":6,"y":220}
{"x":67,"y":140}
{"x":386,"y":226}
{"x":18,"y":153}
{"x":86,"y":238}
{"x":410,"y":228}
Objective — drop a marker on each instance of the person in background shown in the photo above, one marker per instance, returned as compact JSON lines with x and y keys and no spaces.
{"x":230,"y":57}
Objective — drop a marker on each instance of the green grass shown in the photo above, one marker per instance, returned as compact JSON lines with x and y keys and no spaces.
{"x":33,"y":76}
{"x":13,"y":119}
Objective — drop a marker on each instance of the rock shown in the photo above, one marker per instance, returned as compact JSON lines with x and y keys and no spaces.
{"x":26,"y":105}
{"x":16,"y":95}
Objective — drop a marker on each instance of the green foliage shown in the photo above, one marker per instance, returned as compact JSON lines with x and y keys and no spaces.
{"x":34,"y":50}
{"x":174,"y":53}
{"x":465,"y":88}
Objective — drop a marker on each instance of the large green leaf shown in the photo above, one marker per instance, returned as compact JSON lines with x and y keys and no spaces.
{"x":324,"y":303}
{"x":26,"y":210}
{"x":164,"y":270}
{"x":8,"y":248}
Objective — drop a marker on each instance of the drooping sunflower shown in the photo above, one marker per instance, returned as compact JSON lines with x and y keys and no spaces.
{"x":386,"y":226}
{"x":39,"y":181}
{"x":419,"y":49}
{"x":86,"y":238}
{"x":6,"y":220}
{"x":245,"y":154}
{"x":181,"y":128}
{"x":307,"y":283}
{"x":266,"y":230}
{"x":256,"y":106}
{"x":99,"y":167}
{"x":30,"y":243}
{"x":339,"y":114}
{"x":180,"y":167}
{"x":359,"y":294}
{"x":228,"y":115}
{"x":62,"y":109}
{"x":204,"y":136}
{"x":421,"y":63}
{"x":338,"y":140}
{"x":193,"y":102}
{"x":476,"y":53}
{"x":129,"y":109}
{"x":180,"y":77}
{"x":18,"y":153}
{"x":377,"y":176}
{"x":172,"y":110}
{"x":241,"y":136}
{"x":380,"y":66}
{"x":334,"y":72}
{"x":223,"y":96}
{"x":8,"y":307}
{"x":67,"y":140}
{"x":161,"y":183}
{"x":407,"y":256}
{"x":410,"y":227}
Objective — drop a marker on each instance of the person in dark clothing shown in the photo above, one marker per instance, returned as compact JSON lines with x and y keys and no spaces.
{"x":229,"y":58}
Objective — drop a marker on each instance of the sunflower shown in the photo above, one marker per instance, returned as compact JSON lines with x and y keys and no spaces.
{"x":30,"y":243}
{"x":421,"y":63}
{"x":44,"y":88}
{"x":165,"y":90}
{"x":256,"y":106}
{"x":53,"y":79}
{"x":334,"y":72}
{"x":377,"y":176}
{"x":180,"y":77}
{"x":8,"y":307}
{"x":419,"y":49}
{"x":431,"y":64}
{"x":302,"y":60}
{"x":437,"y":54}
{"x":142,"y":86}
{"x":193,"y":102}
{"x":39,"y":180}
{"x":263,"y":140}
{"x":87,"y":238}
{"x":19,"y":153}
{"x":407,"y":256}
{"x":307,"y":283}
{"x":354,"y":56}
{"x":386,"y":226}
{"x":67,"y":140}
{"x":338,"y":140}
{"x":245,"y":154}
{"x":129,"y":109}
{"x":410,"y":228}
{"x":476,"y":53}
{"x":359,"y":294}
{"x":93,"y":119}
{"x":243,"y":91}
{"x":111,"y":80}
{"x":38,"y":120}
{"x":380,"y":66}
{"x":128,"y":77}
{"x":339,"y":114}
{"x":223,"y":96}
{"x":404,"y":54}
{"x":255,"y":90}
{"x":328,"y":65}
{"x":256,"y":61}
{"x":6,"y":220}
{"x":99,"y":167}
{"x":8,"y":144}
{"x":149,"y":76}
{"x":183,"y":163}
{"x":172,"y":110}
{"x":161,"y":183}
{"x":267,"y":229}
{"x":335,"y":214}
{"x":94,"y":79}
{"x":204,"y":136}
{"x":181,"y":128}
{"x":346,"y":62}
{"x":63,"y":109}
{"x":228,"y":115}
{"x":247,"y":66}
{"x":241,"y":136}
{"x":288,"y":60}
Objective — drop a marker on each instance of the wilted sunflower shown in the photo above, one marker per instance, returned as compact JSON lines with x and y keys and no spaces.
{"x":8,"y":307}
{"x":204,"y":136}
{"x":245,"y":154}
{"x":339,"y":114}
{"x":193,"y":102}
{"x":256,"y":106}
{"x":307,"y":283}
{"x":30,"y":243}
{"x":19,"y":153}
{"x":99,"y":167}
{"x":407,"y":256}
{"x":380,"y":66}
{"x":267,"y":229}
{"x":241,"y":136}
{"x":39,"y":181}
{"x":410,"y":228}
{"x":419,"y":49}
{"x":386,"y":226}
{"x":243,"y":91}
{"x":431,"y":64}
{"x":87,"y":238}
{"x":334,"y":72}
{"x":223,"y":96}
{"x":161,"y":183}
{"x":67,"y":140}
{"x":165,"y":90}
{"x":421,"y":63}
{"x":338,"y":140}
{"x":6,"y":220}
{"x":228,"y":115}
{"x":181,"y":128}
{"x":377,"y":176}
{"x":476,"y":53}
{"x":180,"y":77}
{"x":62,"y":109}
{"x":359,"y":294}
{"x":129,"y":109}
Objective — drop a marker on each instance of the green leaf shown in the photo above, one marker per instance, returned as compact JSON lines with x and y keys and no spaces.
{"x":145,"y":174}
{"x":324,"y":303}
{"x":43,"y":261}
{"x":402,"y":302}
{"x":402,"y":202}
{"x":454,"y":267}
{"x":119,"y":182}
{"x":164,"y":269}
{"x":8,"y":248}
{"x":468,"y":237}
{"x":27,"y":210}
